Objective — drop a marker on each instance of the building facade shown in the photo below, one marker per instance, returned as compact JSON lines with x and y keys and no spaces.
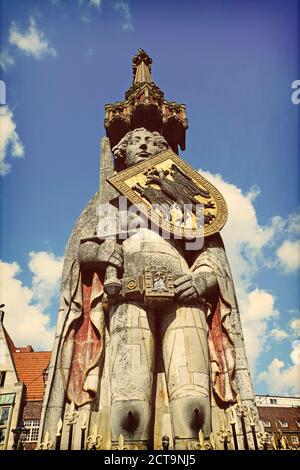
{"x":22,"y":384}
{"x":12,"y":391}
{"x":281,"y":413}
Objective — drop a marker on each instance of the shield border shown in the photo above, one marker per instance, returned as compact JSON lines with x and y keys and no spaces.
{"x":118,"y":181}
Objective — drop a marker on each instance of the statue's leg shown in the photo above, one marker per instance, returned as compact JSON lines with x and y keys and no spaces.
{"x":186,"y":362}
{"x":131,"y":372}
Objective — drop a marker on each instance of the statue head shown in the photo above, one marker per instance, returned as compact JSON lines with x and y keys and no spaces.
{"x":138,"y":145}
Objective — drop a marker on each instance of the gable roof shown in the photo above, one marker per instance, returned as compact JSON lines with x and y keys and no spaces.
{"x":9,"y":347}
{"x":30,"y":367}
{"x":275,"y":415}
{"x":9,"y":341}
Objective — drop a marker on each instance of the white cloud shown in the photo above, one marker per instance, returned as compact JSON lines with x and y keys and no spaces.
{"x":244,"y":237}
{"x":295,"y":354}
{"x":278,"y":334}
{"x":10,"y":142}
{"x":260,"y":306}
{"x":87,"y":9}
{"x":32,"y":42}
{"x":46,"y":269}
{"x":281,"y":379}
{"x":295,"y":326}
{"x":124,"y":8}
{"x":244,"y":240}
{"x":293,"y":224}
{"x":257,"y":310}
{"x":288,"y":255}
{"x":96,"y":3}
{"x":25,"y":318}
{"x":6,"y":60}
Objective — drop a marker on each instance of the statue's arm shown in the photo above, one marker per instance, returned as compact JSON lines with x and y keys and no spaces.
{"x":210,"y":274}
{"x":100,"y":254}
{"x":201,"y":283}
{"x":203,"y":280}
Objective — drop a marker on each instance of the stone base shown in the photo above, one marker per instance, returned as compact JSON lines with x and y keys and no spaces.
{"x":185,"y":444}
{"x":129,"y":445}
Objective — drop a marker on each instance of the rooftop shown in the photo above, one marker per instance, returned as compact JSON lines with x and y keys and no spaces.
{"x":30,"y":367}
{"x":277,"y":415}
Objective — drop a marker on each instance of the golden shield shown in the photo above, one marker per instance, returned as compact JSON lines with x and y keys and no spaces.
{"x":173,"y":195}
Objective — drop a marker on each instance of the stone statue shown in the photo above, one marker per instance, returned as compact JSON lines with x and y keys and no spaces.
{"x":135,"y":367}
{"x":176,"y":326}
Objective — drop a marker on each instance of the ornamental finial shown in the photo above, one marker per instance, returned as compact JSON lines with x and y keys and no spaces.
{"x":145,"y":106}
{"x":141,"y":67}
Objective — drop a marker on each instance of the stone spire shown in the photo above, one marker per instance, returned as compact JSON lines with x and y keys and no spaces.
{"x":145,"y":106}
{"x":141,"y":66}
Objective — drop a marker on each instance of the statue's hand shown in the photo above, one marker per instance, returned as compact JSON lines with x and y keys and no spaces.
{"x":88,"y":252}
{"x":189,"y":287}
{"x":111,"y":253}
{"x":107,"y":253}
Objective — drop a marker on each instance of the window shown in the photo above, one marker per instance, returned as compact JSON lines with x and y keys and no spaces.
{"x":4,"y":415}
{"x":33,"y":426}
{"x":294,"y":439}
{"x":267,"y":424}
{"x":2,"y":435}
{"x":2,"y":378}
{"x":7,"y":399}
{"x":273,"y":401}
{"x":283,"y":424}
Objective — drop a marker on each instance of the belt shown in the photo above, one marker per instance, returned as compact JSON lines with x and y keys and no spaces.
{"x":155,"y":283}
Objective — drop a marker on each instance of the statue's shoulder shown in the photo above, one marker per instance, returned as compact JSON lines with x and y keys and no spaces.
{"x":214,"y":241}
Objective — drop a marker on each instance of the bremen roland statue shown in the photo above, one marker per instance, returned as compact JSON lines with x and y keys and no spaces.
{"x":148,"y":345}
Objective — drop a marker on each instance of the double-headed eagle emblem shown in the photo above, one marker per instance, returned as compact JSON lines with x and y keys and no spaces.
{"x":173,"y":195}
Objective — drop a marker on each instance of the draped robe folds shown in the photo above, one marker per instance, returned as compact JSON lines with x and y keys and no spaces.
{"x":80,"y":356}
{"x":85,"y":337}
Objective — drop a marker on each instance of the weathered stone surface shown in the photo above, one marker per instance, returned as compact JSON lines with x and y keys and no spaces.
{"x":244,"y":385}
{"x":155,"y":372}
{"x":241,"y":360}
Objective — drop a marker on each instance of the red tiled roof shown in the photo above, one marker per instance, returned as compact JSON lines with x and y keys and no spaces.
{"x":274,"y":414}
{"x":30,"y":367}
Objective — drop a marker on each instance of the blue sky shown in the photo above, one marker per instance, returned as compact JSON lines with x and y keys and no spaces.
{"x":232,"y":63}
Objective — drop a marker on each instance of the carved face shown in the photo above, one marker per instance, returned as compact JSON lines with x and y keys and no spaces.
{"x":141,"y":145}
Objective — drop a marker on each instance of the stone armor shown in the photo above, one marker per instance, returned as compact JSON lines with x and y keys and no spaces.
{"x":138,"y":329}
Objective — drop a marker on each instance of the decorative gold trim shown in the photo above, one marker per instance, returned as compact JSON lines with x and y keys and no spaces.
{"x":46,"y":444}
{"x":120,"y":183}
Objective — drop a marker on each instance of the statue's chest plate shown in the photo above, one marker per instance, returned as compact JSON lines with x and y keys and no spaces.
{"x":145,"y":251}
{"x":151,"y":265}
{"x":173,"y":196}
